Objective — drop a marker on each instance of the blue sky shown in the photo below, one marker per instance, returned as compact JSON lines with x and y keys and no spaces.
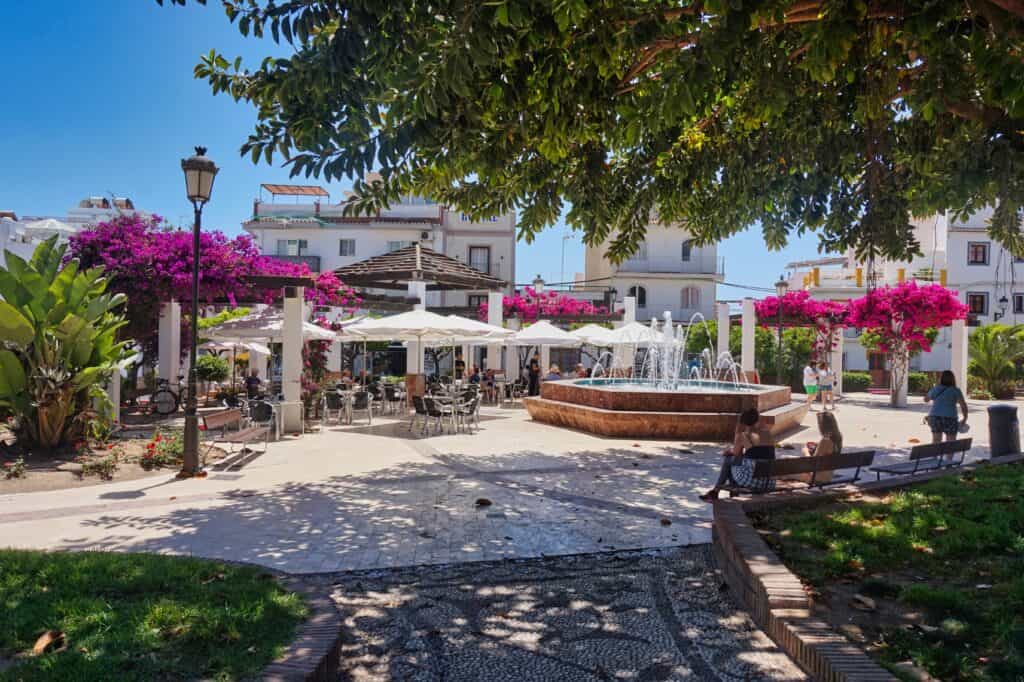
{"x":99,"y":97}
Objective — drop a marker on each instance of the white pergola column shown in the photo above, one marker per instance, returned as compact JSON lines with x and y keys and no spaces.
{"x":749,"y":320}
{"x":169,"y":342}
{"x":836,"y":361}
{"x":958,"y":359}
{"x":723,"y":329}
{"x":545,"y":359}
{"x":495,"y":313}
{"x":628,"y":310}
{"x":415,"y":381}
{"x":114,"y":393}
{"x":291,"y":359}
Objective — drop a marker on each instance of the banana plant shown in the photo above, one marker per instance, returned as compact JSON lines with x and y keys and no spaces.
{"x":58,"y":343}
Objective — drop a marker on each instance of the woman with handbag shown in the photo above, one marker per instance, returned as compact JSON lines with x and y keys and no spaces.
{"x":945,"y":397}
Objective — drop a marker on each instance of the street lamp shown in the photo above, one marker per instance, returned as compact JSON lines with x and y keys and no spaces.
{"x":1003,"y":303}
{"x":780,"y":289}
{"x":199,"y":174}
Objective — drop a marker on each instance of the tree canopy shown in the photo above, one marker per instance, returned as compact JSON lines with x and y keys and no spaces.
{"x":834,"y":116}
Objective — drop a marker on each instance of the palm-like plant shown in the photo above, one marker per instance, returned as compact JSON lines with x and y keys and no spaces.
{"x":994,"y":349}
{"x":58,"y":343}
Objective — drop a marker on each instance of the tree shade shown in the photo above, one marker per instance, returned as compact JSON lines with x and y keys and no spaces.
{"x":844,"y":118}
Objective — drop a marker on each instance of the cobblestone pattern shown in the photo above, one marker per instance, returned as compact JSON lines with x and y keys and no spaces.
{"x":649,"y":616}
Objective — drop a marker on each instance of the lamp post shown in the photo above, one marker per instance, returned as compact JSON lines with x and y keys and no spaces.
{"x":780,"y":289}
{"x":199,"y":174}
{"x":1003,"y":303}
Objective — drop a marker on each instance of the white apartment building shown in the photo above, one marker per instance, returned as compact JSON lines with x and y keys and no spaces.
{"x":22,"y":235}
{"x":957,"y":254}
{"x":667,"y":273}
{"x":300,"y":224}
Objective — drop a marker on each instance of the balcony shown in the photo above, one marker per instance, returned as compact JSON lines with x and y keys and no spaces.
{"x":656,"y":265}
{"x":312,"y":262}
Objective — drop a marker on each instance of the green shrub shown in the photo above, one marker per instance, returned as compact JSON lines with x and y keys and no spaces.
{"x":919,"y":382}
{"x":856,"y":381}
{"x":211,"y":368}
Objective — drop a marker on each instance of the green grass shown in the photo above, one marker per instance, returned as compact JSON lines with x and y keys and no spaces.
{"x":952,"y":549}
{"x":140,"y":617}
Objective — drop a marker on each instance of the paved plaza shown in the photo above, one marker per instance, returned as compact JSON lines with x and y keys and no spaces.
{"x":362,"y":497}
{"x":652,"y":615}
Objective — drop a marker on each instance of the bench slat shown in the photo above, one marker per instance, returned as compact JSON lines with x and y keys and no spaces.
{"x":788,"y":466}
{"x":220,"y":419}
{"x":951,"y":447}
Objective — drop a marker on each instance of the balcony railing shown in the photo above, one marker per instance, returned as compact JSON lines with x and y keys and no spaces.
{"x":699,"y":266}
{"x":312,"y":262}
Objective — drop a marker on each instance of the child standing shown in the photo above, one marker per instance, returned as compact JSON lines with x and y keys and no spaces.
{"x":826,"y":382}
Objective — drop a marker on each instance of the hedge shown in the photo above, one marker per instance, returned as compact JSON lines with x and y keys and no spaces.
{"x":856,"y":381}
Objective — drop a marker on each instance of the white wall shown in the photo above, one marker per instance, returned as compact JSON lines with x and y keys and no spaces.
{"x":664,"y":293}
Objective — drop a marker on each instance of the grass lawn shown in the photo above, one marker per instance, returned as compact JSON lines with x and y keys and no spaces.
{"x":139,"y":617}
{"x":943,"y":563}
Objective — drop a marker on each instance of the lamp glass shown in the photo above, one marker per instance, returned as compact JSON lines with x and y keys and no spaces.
{"x":781,"y":287}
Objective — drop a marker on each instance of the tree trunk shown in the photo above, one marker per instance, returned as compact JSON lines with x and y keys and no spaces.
{"x":898,"y":378}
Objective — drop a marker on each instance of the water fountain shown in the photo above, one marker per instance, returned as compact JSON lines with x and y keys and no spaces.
{"x":666,"y":392}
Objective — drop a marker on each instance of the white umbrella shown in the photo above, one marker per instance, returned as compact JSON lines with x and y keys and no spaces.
{"x":543,"y":333}
{"x":265,"y":324}
{"x":593,"y":334}
{"x":417,"y":325}
{"x":48,"y":227}
{"x":633,"y":334}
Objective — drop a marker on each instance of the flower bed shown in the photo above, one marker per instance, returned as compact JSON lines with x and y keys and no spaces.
{"x":930,"y":577}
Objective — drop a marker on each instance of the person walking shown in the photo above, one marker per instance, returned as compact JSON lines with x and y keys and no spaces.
{"x":810,"y":383}
{"x":826,"y":382}
{"x":944,"y":398}
{"x":533,"y":370}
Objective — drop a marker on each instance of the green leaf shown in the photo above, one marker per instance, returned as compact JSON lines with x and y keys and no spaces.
{"x":12,"y":375}
{"x":15,"y":328}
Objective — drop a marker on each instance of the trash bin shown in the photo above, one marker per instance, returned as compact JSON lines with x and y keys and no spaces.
{"x":1003,"y":430}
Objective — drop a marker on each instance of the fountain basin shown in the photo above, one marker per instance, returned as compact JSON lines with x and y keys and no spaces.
{"x":692,"y":410}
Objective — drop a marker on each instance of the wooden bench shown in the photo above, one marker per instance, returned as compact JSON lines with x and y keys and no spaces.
{"x":928,"y":457}
{"x":230,"y":424}
{"x":787,"y":467}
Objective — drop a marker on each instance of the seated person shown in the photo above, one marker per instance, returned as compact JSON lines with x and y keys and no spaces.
{"x":474,"y":375}
{"x":831,"y":443}
{"x":736,"y":467}
{"x":554,"y":374}
{"x":581,"y":372}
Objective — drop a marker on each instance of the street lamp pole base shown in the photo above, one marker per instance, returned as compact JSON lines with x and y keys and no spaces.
{"x":190,"y":467}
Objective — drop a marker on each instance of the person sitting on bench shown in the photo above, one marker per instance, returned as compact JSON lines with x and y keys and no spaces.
{"x":745,"y":439}
{"x":831,"y":443}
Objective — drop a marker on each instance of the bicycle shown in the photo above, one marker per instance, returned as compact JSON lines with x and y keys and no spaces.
{"x":165,"y":400}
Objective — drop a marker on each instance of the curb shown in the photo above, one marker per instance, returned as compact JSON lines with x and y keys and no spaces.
{"x":775,"y":597}
{"x":315,"y":653}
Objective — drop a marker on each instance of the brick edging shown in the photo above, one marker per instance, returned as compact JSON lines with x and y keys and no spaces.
{"x":775,"y":597}
{"x":315,"y":653}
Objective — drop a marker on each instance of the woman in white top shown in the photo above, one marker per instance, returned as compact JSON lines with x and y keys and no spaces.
{"x":810,"y":382}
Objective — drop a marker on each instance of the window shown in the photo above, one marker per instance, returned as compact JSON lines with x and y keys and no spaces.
{"x":1018,"y":304}
{"x":464,"y":217}
{"x":480,"y":258}
{"x":977,"y":303}
{"x":690,"y":298}
{"x":641,"y":296}
{"x":291,"y":247}
{"x":977,"y":253}
{"x":395,"y":246}
{"x":346,"y":247}
{"x":687,"y":250}
{"x":476,"y":300}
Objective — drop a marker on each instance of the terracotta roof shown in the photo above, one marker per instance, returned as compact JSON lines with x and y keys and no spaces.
{"x":394,"y":269}
{"x":296,"y":190}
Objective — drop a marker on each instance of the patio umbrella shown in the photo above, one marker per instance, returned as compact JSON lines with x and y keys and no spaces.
{"x":543,"y":333}
{"x":265,"y":324}
{"x":593,"y":334}
{"x":633,"y":334}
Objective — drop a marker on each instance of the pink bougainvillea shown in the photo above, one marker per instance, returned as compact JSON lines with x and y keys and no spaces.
{"x":799,"y":310}
{"x":902,"y":314}
{"x":532,"y":305}
{"x":151,"y":264}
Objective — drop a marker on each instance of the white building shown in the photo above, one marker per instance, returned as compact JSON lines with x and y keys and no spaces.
{"x":957,"y":254}
{"x":300,"y":224}
{"x":22,"y":235}
{"x":667,"y":273}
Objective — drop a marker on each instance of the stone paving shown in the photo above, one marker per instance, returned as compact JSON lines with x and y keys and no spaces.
{"x":653,"y":615}
{"x":361,"y":497}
